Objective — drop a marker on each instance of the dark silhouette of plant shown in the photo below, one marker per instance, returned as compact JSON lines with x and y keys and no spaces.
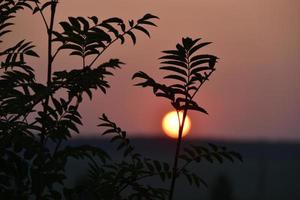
{"x":127,"y":174}
{"x":189,"y":71}
{"x":36,"y":121}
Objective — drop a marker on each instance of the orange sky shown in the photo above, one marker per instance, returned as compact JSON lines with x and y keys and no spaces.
{"x":254,"y":94}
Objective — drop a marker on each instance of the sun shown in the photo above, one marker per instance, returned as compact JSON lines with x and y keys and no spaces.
{"x":170,"y":124}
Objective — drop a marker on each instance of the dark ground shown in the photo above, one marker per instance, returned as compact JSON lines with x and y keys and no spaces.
{"x":270,"y":171}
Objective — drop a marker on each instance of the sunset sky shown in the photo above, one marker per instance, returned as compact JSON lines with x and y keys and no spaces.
{"x":254,"y":93}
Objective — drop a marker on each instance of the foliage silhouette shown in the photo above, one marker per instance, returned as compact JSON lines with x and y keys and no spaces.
{"x":189,"y":71}
{"x":36,"y":121}
{"x":128,"y":174}
{"x":34,"y":117}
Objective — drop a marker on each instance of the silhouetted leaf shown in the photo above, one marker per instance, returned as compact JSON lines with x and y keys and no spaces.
{"x":147,"y":17}
{"x":217,"y":156}
{"x":31,"y":53}
{"x":132,"y":37}
{"x":85,"y":23}
{"x":174,"y":57}
{"x":236,"y":155}
{"x":174,"y":69}
{"x":199,"y":62}
{"x":227,"y":156}
{"x":45,"y":5}
{"x":75,"y":23}
{"x":176,"y":77}
{"x":190,"y":152}
{"x":113,"y":20}
{"x":94,"y":19}
{"x":202,"y":57}
{"x":142,"y":29}
{"x":198,"y":46}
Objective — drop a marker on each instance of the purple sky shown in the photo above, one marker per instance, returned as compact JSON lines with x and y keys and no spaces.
{"x":254,"y":94}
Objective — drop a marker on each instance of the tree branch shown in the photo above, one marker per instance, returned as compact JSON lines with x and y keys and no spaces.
{"x":42,"y":14}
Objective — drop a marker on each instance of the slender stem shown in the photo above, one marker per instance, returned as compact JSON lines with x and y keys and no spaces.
{"x":43,"y":138}
{"x":184,"y":166}
{"x":90,"y":65}
{"x":178,"y":118}
{"x":56,"y":52}
{"x":50,"y":60}
{"x":43,"y":16}
{"x":181,"y":126}
{"x":50,"y":31}
{"x":206,"y":78}
{"x":178,"y":145}
{"x":100,"y":53}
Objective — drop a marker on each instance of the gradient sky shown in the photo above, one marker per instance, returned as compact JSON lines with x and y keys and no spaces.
{"x":254,"y":94}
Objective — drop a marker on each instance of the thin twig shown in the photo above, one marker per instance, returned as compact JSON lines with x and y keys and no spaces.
{"x":44,"y":19}
{"x":50,"y":61}
{"x":206,"y":78}
{"x":55,"y":54}
{"x":58,"y":49}
{"x":113,"y":41}
{"x":90,"y":65}
{"x":180,"y":132}
{"x":179,"y":140}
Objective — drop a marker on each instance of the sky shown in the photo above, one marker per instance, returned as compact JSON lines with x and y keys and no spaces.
{"x":253,"y":94}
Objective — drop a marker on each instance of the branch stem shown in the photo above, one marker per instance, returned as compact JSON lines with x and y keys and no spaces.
{"x":113,"y":41}
{"x":175,"y":165}
{"x":90,"y":65}
{"x":206,"y":78}
{"x":50,"y":61}
{"x":42,"y":14}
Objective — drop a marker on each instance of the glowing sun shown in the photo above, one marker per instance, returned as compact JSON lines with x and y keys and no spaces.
{"x":170,"y":124}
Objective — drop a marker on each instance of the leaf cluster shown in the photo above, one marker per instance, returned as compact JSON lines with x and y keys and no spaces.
{"x":125,"y":179}
{"x":91,"y":37}
{"x":136,"y":167}
{"x":212,"y":153}
{"x":15,"y":55}
{"x":187,"y":70}
{"x":80,"y":81}
{"x":8,"y":9}
{"x":37,"y":119}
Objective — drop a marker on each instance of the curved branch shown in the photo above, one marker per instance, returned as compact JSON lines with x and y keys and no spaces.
{"x":42,"y":14}
{"x":206,"y":78}
{"x":113,"y":41}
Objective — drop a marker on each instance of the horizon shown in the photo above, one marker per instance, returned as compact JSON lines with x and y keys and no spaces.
{"x":162,"y":136}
